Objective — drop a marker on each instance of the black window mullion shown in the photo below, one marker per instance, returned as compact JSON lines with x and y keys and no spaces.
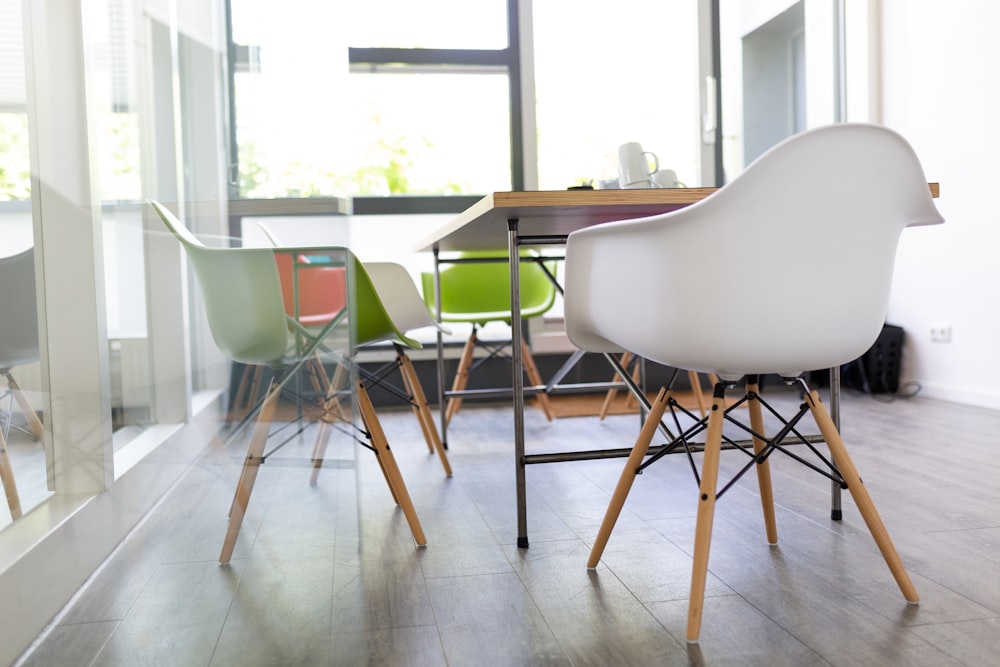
{"x":516,"y":119}
{"x":387,"y":56}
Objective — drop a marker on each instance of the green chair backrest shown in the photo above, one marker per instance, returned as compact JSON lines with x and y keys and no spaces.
{"x":480,"y":292}
{"x":242,"y":295}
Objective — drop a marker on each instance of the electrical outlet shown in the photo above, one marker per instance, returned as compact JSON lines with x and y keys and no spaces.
{"x":940,"y":332}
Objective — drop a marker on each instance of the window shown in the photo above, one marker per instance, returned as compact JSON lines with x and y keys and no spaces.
{"x":604,"y":78}
{"x":416,"y":102}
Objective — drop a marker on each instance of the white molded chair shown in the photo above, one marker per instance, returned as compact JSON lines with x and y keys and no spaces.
{"x":18,"y":347}
{"x":800,"y":251}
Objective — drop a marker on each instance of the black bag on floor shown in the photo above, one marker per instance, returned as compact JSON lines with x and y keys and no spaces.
{"x":877,"y":370}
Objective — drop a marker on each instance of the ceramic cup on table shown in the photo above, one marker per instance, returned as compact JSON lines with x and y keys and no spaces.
{"x":666,"y":178}
{"x":634,"y":166}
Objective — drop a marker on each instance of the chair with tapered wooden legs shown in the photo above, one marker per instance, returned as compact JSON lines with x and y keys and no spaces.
{"x":242,"y":294}
{"x":475,"y":290}
{"x":811,"y":229}
{"x":18,"y":347}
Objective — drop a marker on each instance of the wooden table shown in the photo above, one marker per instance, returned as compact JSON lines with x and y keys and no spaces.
{"x":511,"y":220}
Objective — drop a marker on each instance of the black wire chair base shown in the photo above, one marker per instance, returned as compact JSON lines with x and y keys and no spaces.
{"x":787,"y":435}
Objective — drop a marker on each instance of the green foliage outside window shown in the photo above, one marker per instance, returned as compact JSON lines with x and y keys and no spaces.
{"x":15,"y":163}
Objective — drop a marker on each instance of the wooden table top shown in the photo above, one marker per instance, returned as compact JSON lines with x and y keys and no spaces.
{"x":483,"y":226}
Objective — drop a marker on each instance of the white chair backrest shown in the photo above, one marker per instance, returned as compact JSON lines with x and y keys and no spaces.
{"x":18,"y":311}
{"x":785,"y":269}
{"x":400,"y":297}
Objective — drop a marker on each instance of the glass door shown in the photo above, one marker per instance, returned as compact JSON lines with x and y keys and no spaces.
{"x":781,"y":73}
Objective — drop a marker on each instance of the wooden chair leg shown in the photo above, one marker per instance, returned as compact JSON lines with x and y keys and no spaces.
{"x":695,"y":382}
{"x":7,"y":479}
{"x":34,"y":423}
{"x":246,"y":391}
{"x":630,"y":400}
{"x":626,"y":358}
{"x":706,"y":514}
{"x":329,"y":389}
{"x":389,"y":467}
{"x":423,"y":410}
{"x":535,"y":378}
{"x":628,"y":476}
{"x":861,"y":497}
{"x":411,"y":391}
{"x":461,"y":377}
{"x":251,"y":465}
{"x":238,"y":399}
{"x":763,"y":469}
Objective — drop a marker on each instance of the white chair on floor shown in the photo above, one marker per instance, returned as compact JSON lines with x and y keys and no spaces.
{"x":795,"y":260}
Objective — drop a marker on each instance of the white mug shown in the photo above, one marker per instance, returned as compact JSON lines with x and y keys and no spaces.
{"x":666,"y":178}
{"x":633,"y":166}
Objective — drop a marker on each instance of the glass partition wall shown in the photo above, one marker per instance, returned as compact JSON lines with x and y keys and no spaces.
{"x":102,"y":105}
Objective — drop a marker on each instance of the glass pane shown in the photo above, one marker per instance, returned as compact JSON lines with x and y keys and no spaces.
{"x":779,"y":76}
{"x":431,"y":133}
{"x":605,"y":77}
{"x":383,"y":134}
{"x":368,"y":134}
{"x":112,"y":87}
{"x":115,"y":143}
{"x":23,"y":459}
{"x":434,"y":24}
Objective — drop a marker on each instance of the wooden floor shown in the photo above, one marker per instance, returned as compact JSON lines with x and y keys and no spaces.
{"x":328,"y":575}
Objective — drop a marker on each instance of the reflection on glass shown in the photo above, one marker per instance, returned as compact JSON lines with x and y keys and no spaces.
{"x":23,"y":462}
{"x":284,"y":314}
{"x":115,"y":142}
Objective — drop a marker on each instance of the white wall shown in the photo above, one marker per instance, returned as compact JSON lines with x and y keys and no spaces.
{"x":940,"y":90}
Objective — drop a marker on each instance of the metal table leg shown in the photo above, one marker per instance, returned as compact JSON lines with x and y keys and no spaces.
{"x":518,"y":381}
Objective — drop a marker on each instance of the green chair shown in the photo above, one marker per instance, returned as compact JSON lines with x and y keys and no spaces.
{"x":242,"y":292}
{"x":477,"y":292}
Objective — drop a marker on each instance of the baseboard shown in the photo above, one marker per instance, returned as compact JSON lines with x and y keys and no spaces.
{"x":943,"y":392}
